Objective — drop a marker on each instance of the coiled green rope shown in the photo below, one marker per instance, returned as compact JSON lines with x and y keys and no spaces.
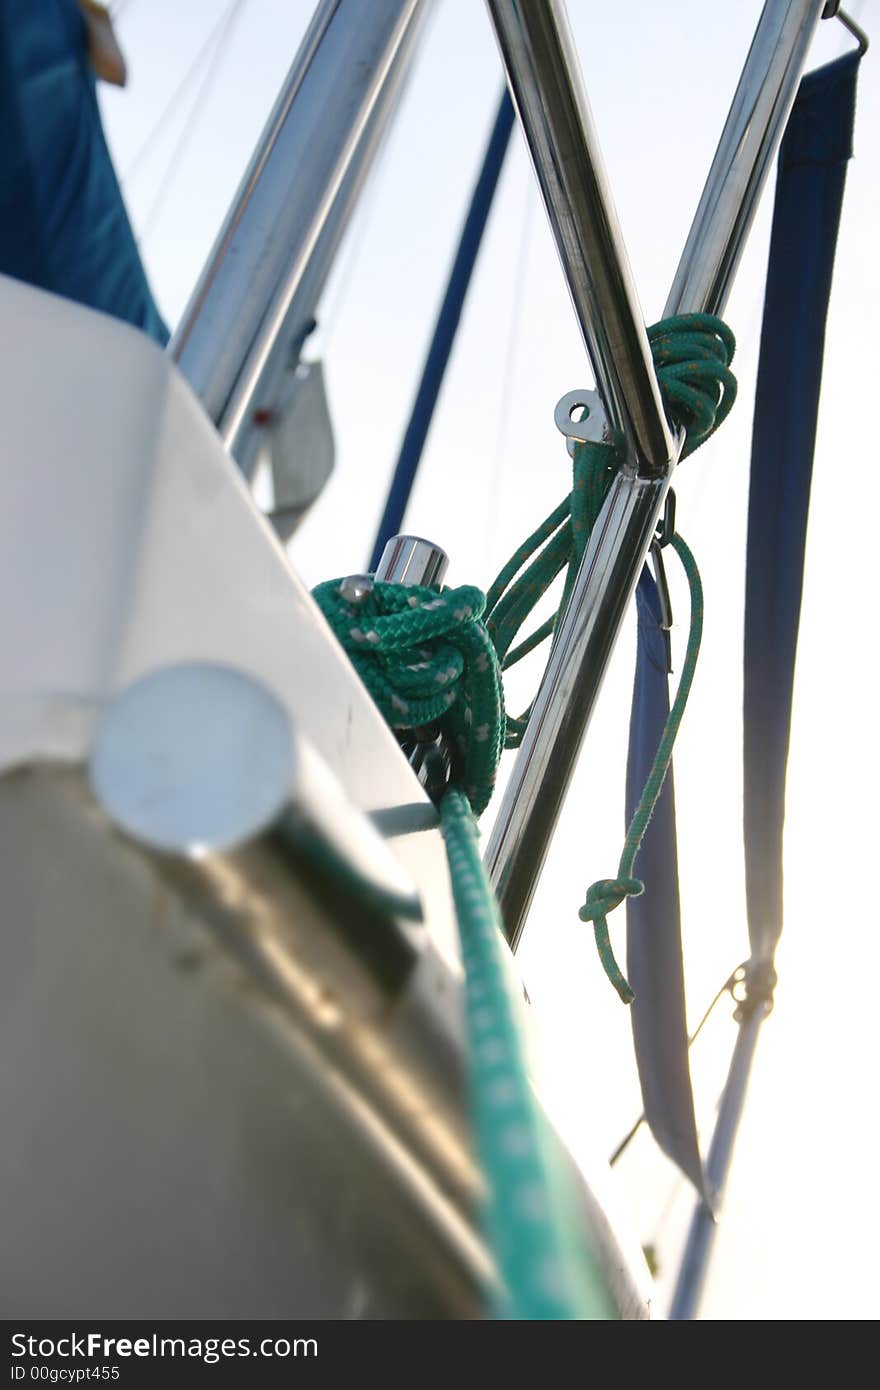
{"x":692,"y":356}
{"x":427,"y":659}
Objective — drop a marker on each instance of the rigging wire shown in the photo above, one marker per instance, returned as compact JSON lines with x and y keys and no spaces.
{"x":227,"y":25}
{"x":512,"y":355}
{"x":730,"y":984}
{"x":174,"y":100}
{"x":353,"y":246}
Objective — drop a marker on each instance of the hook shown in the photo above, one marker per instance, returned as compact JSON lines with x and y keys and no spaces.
{"x":666,"y":524}
{"x":856,"y":30}
{"x":662,"y":583}
{"x":832,"y":10}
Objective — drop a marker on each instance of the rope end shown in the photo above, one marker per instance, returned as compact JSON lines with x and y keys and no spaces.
{"x":602,"y":898}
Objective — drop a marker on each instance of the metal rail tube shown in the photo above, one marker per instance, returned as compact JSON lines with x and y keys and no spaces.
{"x":620,"y":541}
{"x":748,"y":142}
{"x":261,"y":372}
{"x":317,"y":132}
{"x":539,"y":780}
{"x":548,"y":93}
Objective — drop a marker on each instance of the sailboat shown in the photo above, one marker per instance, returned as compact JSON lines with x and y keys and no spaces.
{"x":270,"y":1050}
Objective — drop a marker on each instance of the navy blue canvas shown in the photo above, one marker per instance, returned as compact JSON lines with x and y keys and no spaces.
{"x":809,"y":191}
{"x":653,"y":939}
{"x":812,"y":170}
{"x":445,"y":330}
{"x":63,"y":224}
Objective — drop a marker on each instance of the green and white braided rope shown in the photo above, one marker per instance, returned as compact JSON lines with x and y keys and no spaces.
{"x":426,"y":658}
{"x":546,"y":1266}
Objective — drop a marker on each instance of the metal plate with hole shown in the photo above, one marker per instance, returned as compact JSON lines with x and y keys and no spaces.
{"x":580,"y":416}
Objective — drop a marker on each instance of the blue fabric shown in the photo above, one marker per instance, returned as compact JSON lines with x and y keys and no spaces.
{"x":63,"y":224}
{"x":812,"y":165}
{"x":653,"y":936}
{"x":809,"y":193}
{"x":445,"y":329}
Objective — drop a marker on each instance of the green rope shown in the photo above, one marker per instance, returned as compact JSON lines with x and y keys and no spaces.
{"x":563,"y":535}
{"x":546,"y":1267}
{"x":692,"y":355}
{"x":427,"y":659}
{"x":608,"y":893}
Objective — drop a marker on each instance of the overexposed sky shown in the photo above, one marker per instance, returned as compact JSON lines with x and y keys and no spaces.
{"x":800,"y":1226}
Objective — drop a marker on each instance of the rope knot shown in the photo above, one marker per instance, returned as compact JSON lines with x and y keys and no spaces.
{"x":429,"y":663}
{"x":607,"y":894}
{"x":603,"y":897}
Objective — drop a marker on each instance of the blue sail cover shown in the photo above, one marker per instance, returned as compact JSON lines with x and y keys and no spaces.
{"x":812,"y":171}
{"x":63,"y":224}
{"x":812,"y":165}
{"x":653,"y":936}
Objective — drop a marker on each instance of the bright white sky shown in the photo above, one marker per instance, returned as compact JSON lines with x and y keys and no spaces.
{"x":800,"y":1228}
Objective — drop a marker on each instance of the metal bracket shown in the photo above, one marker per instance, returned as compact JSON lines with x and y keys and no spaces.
{"x":832,"y":10}
{"x":665,"y":532}
{"x":662,"y":583}
{"x":580,"y":416}
{"x":666,"y":524}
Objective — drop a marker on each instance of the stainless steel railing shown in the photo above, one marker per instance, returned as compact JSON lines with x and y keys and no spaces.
{"x":262,"y":281}
{"x":545,"y":83}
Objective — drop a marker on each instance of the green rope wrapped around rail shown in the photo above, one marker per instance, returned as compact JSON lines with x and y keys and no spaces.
{"x":692,"y":354}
